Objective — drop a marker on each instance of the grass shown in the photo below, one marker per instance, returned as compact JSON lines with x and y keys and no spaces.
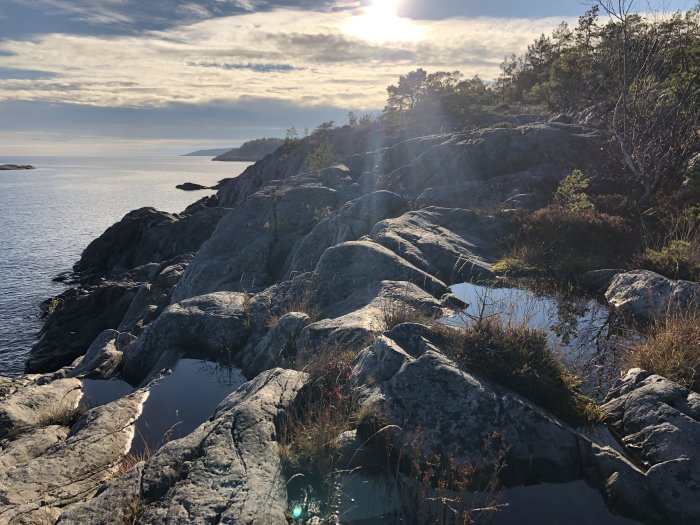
{"x":302,"y":302}
{"x":325,"y":409}
{"x":61,"y":414}
{"x":397,"y":311}
{"x":672,"y":348}
{"x":519,"y":358}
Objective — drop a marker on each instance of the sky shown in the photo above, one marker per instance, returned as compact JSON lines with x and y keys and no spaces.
{"x":147,"y":77}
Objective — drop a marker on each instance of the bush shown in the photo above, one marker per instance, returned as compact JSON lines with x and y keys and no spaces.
{"x":519,"y":358}
{"x":677,"y":260}
{"x":672,"y":349}
{"x":557,"y":240}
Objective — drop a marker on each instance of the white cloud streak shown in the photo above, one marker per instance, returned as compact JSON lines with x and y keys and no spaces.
{"x":312,"y":58}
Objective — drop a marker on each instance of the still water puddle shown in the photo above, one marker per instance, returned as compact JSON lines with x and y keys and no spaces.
{"x":370,"y":500}
{"x":586,"y":332}
{"x":177,"y":403}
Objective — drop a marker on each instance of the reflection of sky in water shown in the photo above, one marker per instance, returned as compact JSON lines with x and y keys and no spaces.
{"x":178,"y":402}
{"x":579,"y":327}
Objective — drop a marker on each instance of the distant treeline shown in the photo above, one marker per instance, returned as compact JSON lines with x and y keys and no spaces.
{"x":252,"y":150}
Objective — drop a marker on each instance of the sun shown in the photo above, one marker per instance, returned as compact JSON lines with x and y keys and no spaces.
{"x":380,"y":22}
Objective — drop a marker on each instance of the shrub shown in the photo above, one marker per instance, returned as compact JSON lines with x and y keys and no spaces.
{"x":677,"y":260}
{"x":571,"y":193}
{"x":519,"y":358}
{"x":557,"y":240}
{"x":322,"y":157}
{"x":672,"y":348}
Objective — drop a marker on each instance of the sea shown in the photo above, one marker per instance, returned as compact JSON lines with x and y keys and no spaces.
{"x":49,"y":215}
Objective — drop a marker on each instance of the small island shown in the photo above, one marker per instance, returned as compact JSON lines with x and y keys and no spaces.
{"x":8,"y":167}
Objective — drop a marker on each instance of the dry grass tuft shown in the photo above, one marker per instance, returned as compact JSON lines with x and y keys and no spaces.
{"x":62,"y":414}
{"x":672,"y":348}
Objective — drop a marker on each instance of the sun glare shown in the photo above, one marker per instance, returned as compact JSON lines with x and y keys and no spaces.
{"x":380,"y":22}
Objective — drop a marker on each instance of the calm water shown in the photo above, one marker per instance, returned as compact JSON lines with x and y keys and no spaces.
{"x":49,"y":215}
{"x":177,"y":403}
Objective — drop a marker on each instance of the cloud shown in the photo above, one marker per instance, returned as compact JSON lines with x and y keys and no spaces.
{"x":289,"y":55}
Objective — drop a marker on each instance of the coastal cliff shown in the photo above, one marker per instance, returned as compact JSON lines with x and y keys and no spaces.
{"x":327,"y":284}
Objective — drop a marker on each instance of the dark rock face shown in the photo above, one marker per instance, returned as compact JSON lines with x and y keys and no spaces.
{"x":145,"y":236}
{"x":115,"y":248}
{"x":84,"y":314}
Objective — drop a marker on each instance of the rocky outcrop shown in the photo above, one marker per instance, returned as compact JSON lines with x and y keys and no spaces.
{"x":659,"y":422}
{"x":352,"y":221}
{"x":213,"y":326}
{"x":472,"y":411}
{"x":650,"y":296}
{"x":51,"y":468}
{"x":29,"y":404}
{"x":104,"y":357}
{"x":251,"y":245}
{"x":454,"y":245}
{"x":82,"y":314}
{"x":226,"y":471}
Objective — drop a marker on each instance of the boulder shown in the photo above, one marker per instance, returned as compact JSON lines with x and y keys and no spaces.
{"x":351,"y":266}
{"x":598,"y":281}
{"x":70,"y":469}
{"x":213,"y":326}
{"x":659,"y":423}
{"x":649,"y":296}
{"x":472,"y":411}
{"x":153,"y":297}
{"x":103,"y":358}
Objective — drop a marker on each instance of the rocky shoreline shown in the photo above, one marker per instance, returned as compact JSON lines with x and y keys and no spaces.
{"x":283,"y":267}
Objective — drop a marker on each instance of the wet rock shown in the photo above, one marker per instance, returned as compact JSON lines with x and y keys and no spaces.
{"x":104,"y":356}
{"x":213,"y":326}
{"x":659,"y":422}
{"x":71,"y":469}
{"x":649,"y":296}
{"x":453,"y":244}
{"x":226,"y":471}
{"x":352,"y":221}
{"x":9,"y":167}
